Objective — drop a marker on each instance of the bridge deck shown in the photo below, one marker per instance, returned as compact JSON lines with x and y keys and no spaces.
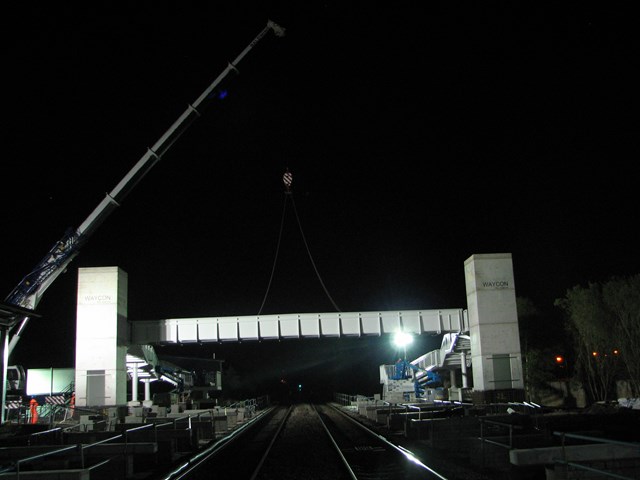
{"x":297,"y":325}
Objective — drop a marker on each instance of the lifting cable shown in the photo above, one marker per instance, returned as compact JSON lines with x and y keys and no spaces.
{"x":288,"y":194}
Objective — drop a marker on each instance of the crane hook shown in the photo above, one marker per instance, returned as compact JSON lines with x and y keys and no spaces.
{"x":287,"y":179}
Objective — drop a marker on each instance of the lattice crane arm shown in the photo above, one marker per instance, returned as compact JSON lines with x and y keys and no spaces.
{"x":29,"y":291}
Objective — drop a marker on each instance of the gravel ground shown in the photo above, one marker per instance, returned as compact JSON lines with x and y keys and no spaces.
{"x":456,"y":451}
{"x":302,"y":428}
{"x":319,"y":463}
{"x":452,"y":461}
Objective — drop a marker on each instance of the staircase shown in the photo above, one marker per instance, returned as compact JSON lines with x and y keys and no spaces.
{"x":449,"y":357}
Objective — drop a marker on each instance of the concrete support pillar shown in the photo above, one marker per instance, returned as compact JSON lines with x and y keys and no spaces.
{"x":147,"y":402}
{"x":452,"y":378}
{"x":134,"y":384}
{"x":463,"y":366}
{"x":4,"y":356}
{"x":493,"y":323}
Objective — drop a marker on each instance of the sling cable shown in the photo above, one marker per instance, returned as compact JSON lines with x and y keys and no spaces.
{"x":287,"y":180}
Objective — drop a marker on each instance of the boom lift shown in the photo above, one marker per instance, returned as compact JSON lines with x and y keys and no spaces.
{"x":406,"y":370}
{"x":27,"y":294}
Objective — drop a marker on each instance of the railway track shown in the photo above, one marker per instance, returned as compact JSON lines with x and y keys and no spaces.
{"x":306,"y":441}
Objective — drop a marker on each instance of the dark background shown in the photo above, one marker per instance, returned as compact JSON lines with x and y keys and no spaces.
{"x":417,"y":135}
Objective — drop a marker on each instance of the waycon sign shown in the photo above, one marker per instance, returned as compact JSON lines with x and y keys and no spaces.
{"x":97,"y":299}
{"x":495,"y":285}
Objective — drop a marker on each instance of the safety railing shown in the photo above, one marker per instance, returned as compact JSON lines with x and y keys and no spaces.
{"x":80,"y":448}
{"x":51,"y":437}
{"x":128,"y":432}
{"x":427,"y":414}
{"x":390,"y":406}
{"x":346,"y":399}
{"x":502,"y":427}
{"x":506,"y":426}
{"x":587,"y":468}
{"x":249,"y":406}
{"x":406,"y":417}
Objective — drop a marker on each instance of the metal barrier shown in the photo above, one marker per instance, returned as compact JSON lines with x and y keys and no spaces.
{"x":19,"y":463}
{"x":483,"y":440}
{"x":79,"y":447}
{"x":86,"y":447}
{"x":563,"y":436}
{"x":510,"y":427}
{"x":128,"y":431}
{"x":406,"y":417}
{"x":347,"y":400}
{"x":37,"y":435}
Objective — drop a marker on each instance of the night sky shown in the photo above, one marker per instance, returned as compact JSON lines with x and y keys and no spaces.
{"x":417,"y":136}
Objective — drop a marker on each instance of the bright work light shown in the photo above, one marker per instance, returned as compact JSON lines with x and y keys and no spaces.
{"x":402,"y":339}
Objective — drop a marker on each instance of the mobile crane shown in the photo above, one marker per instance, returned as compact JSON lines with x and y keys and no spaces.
{"x":27,"y":294}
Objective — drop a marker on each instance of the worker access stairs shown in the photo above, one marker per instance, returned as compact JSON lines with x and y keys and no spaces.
{"x":454,"y":347}
{"x":454,"y":350}
{"x":50,"y":409}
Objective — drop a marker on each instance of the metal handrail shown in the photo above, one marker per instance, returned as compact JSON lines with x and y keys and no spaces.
{"x":484,"y":440}
{"x":125,"y":435}
{"x":42,"y":455}
{"x":406,"y":417}
{"x":511,"y":427}
{"x":35,"y":434}
{"x":84,"y":447}
{"x":564,"y":461}
{"x":80,"y":447}
{"x":576,"y":436}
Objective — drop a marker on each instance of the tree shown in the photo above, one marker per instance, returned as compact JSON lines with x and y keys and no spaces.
{"x":622,"y":298}
{"x":541,"y":339}
{"x":598,"y":317}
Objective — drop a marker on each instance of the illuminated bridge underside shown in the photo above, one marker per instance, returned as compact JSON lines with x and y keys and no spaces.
{"x":297,"y":325}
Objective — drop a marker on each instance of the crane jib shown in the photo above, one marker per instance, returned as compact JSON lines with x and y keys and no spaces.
{"x":30,"y":289}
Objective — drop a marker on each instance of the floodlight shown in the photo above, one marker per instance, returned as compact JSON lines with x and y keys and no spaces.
{"x":402,"y":339}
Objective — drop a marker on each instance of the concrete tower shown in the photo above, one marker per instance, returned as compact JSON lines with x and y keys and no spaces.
{"x":493,"y":323}
{"x":101,"y":337}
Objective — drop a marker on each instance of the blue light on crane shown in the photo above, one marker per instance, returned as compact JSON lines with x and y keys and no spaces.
{"x":219,"y":94}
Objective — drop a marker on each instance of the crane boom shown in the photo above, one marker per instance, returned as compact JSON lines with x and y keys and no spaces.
{"x":29,"y":291}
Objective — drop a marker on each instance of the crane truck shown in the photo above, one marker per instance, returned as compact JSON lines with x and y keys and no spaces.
{"x":24,"y":298}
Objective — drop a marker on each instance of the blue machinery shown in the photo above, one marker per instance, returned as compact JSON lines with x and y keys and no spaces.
{"x":404,"y":370}
{"x":424,"y":377}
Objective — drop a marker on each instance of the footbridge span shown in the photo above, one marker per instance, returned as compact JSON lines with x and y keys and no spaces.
{"x":297,"y":325}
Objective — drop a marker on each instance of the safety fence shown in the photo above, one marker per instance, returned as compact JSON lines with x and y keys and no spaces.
{"x":624,"y":466}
